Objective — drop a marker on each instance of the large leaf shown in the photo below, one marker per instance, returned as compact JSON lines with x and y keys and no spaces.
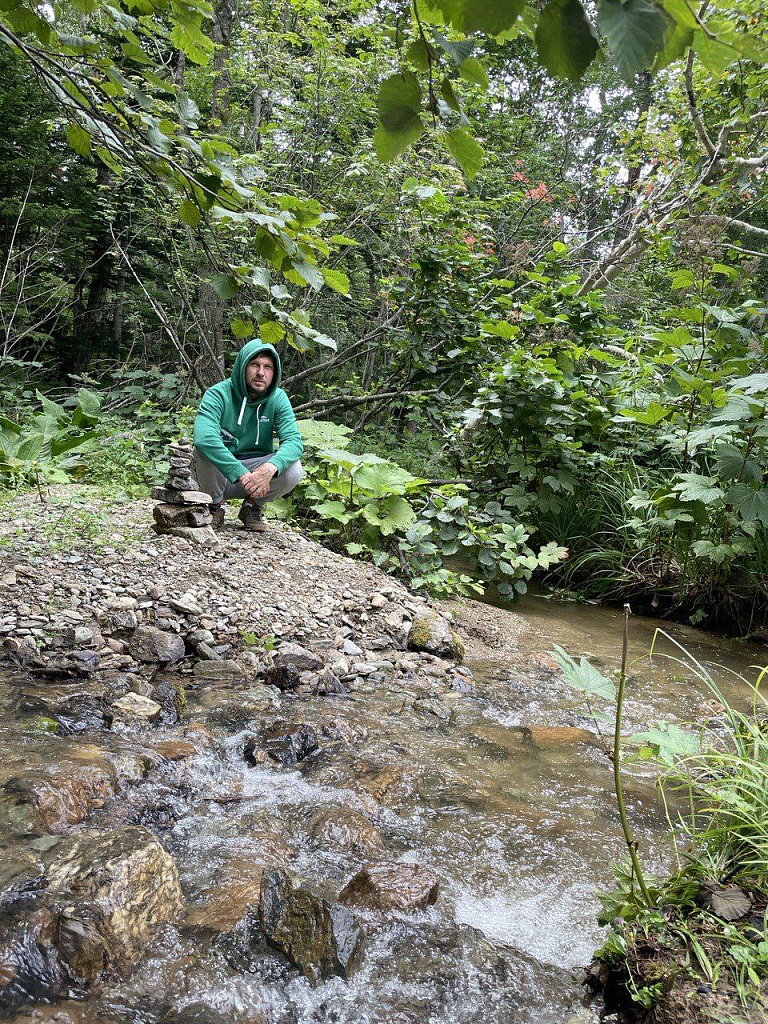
{"x":715,"y":54}
{"x":635,"y":32}
{"x":696,"y":487}
{"x":467,"y":153}
{"x":489,"y":16}
{"x":751,"y":504}
{"x":383,"y":478}
{"x":584,"y":677}
{"x":667,"y":743}
{"x":88,"y":409}
{"x":390,"y":514}
{"x":399,"y":102}
{"x":564,"y":39}
{"x":319,"y":433}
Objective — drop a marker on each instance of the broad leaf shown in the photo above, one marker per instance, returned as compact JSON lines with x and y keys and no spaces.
{"x":635,"y":32}
{"x":489,"y":16}
{"x":471,"y":70}
{"x":467,"y":153}
{"x":667,"y":743}
{"x":336,"y":280}
{"x":79,"y":139}
{"x":564,"y":39}
{"x":317,"y":433}
{"x":583,"y":676}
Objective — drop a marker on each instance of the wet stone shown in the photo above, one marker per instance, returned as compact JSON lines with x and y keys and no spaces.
{"x":284,"y":743}
{"x":283,"y":677}
{"x":396,"y":886}
{"x":319,"y":937}
{"x":300,"y":657}
{"x":340,"y":827}
{"x":134,"y":705}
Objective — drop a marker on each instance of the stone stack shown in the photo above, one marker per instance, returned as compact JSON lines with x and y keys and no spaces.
{"x":183,"y":509}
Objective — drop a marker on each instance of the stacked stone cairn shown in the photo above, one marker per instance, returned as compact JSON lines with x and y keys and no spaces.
{"x":183,"y":509}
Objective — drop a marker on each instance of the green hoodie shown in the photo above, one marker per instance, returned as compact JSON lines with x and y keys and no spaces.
{"x":230,"y":425}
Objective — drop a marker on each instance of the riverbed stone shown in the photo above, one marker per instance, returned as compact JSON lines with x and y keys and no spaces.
{"x":151,"y":644}
{"x":341,"y":827}
{"x":388,"y":887}
{"x":136,"y":706}
{"x":219,"y":670}
{"x":123,"y":885}
{"x":432,"y":633}
{"x":203,"y":536}
{"x":319,"y":937}
{"x":300,"y":657}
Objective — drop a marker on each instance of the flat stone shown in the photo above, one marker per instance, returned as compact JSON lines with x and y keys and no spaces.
{"x":175,"y":750}
{"x":134,"y":705}
{"x":220,"y":669}
{"x":181,"y":497}
{"x":379,"y":601}
{"x":334,"y":827}
{"x":391,"y":887}
{"x":186,"y":604}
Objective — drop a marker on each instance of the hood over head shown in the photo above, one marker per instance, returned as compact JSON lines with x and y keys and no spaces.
{"x":249,"y":351}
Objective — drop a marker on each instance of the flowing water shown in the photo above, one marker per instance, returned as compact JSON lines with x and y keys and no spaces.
{"x":510,"y":803}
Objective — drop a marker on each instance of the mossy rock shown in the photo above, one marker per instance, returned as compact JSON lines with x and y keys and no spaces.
{"x":432,"y":633}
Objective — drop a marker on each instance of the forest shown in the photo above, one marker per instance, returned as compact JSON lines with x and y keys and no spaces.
{"x":512,"y":255}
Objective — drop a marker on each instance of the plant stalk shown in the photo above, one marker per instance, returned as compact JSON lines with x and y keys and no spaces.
{"x":618,"y":785}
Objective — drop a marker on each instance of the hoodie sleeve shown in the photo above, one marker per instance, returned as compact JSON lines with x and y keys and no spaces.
{"x":207,"y":436}
{"x":291,"y":445}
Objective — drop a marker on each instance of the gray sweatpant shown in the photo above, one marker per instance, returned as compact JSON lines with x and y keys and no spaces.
{"x":213,"y":482}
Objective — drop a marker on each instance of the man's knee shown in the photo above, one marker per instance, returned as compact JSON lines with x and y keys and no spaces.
{"x":291,"y":476}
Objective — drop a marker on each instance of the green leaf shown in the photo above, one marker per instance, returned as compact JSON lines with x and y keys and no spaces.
{"x":654,"y":414}
{"x":564,"y":39}
{"x":271,"y":332}
{"x":714,"y":54}
{"x":391,"y":514}
{"x":419,"y":53}
{"x":319,"y":433}
{"x":500,"y":329}
{"x":677,"y":42}
{"x":449,"y":96}
{"x":751,"y":504}
{"x":399,"y":101}
{"x":225,"y":285}
{"x":467,"y":153}
{"x":190,"y":40}
{"x":30,"y":447}
{"x":695,"y":487}
{"x":189,"y":212}
{"x":242,"y":329}
{"x":79,"y":139}
{"x":343,"y":240}
{"x":336,"y":280}
{"x":680,"y":11}
{"x":489,"y":16}
{"x":189,"y":112}
{"x":389,"y":145}
{"x":458,"y":50}
{"x":583,"y":676}
{"x":471,"y":70}
{"x":668,"y":743}
{"x":88,"y":409}
{"x":635,"y":32}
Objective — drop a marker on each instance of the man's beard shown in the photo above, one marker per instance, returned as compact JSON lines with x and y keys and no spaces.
{"x":253,"y":393}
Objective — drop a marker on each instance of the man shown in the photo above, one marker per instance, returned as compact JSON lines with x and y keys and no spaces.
{"x":234,"y":454}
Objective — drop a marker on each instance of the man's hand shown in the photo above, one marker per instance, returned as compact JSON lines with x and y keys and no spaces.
{"x":256,"y":483}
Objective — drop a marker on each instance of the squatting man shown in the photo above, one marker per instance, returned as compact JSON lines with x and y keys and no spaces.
{"x":234,"y":453}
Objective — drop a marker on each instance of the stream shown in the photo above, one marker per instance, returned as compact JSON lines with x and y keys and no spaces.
{"x":504,"y":791}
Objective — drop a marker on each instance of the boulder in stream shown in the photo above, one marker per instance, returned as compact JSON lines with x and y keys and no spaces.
{"x":391,"y":887}
{"x":319,"y":937}
{"x":432,"y":633}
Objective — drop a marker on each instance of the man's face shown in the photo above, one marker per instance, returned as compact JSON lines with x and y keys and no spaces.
{"x":258,"y":375}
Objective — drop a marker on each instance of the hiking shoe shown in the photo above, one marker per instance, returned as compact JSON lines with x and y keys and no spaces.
{"x":252,"y":517}
{"x":217,"y":513}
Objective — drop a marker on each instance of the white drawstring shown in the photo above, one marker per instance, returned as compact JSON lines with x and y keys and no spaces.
{"x":242,"y":410}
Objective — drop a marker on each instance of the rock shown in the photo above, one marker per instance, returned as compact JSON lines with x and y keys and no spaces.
{"x":379,"y":601}
{"x":284,"y":677}
{"x":175,"y":750}
{"x":200,"y":636}
{"x":186,"y":604}
{"x":301,"y":658}
{"x":218,"y":670}
{"x":284,"y":743}
{"x":172,"y":698}
{"x":59,"y":795}
{"x":432,"y":633}
{"x":175,"y":497}
{"x":335,"y":827}
{"x":351,"y":649}
{"x":386,"y":887}
{"x":229,"y":903}
{"x":329,"y":684}
{"x":196,"y":1013}
{"x":133,"y":705}
{"x":200,"y":535}
{"x":321,"y":938}
{"x":151,"y":644}
{"x":118,"y":887}
{"x":78,"y":635}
